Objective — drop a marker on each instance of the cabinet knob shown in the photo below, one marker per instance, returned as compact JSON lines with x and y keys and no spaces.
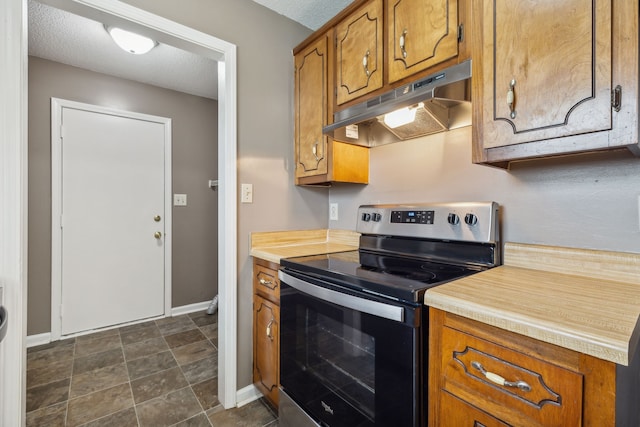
{"x":157,"y":234}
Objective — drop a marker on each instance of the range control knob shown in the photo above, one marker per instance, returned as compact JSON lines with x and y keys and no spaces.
{"x":470,"y":219}
{"x":376,"y":217}
{"x":366,"y":217}
{"x":453,"y":219}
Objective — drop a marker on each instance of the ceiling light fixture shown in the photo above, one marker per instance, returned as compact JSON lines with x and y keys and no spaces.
{"x":131,"y":42}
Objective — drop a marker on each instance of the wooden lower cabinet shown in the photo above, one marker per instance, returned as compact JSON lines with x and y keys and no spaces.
{"x":480,"y":375}
{"x":266,"y":329}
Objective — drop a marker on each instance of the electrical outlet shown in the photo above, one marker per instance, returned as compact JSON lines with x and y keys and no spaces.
{"x":246,"y":193}
{"x":179,"y":200}
{"x":333,"y":211}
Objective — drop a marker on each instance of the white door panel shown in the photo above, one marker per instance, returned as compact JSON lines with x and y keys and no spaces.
{"x":112,"y":184}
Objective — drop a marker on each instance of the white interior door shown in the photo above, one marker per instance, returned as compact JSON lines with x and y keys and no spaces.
{"x":112,"y":225}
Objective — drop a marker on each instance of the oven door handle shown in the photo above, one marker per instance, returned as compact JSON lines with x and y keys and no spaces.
{"x":375,"y":308}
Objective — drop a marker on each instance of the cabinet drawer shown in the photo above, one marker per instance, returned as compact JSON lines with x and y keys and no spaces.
{"x":535,"y":391}
{"x":455,"y":412}
{"x":266,"y":282}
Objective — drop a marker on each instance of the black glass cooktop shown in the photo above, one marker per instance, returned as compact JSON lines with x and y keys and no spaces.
{"x":390,"y":276}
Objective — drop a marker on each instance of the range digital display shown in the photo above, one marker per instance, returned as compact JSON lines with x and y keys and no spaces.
{"x":412,"y":217}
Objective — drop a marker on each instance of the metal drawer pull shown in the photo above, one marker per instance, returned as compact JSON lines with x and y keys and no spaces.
{"x":269,"y":329}
{"x":365,"y":63}
{"x":403,"y":40}
{"x":265,"y":282}
{"x":511,"y":98}
{"x":497,"y":379}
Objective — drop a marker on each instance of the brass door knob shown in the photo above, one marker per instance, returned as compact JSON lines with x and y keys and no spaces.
{"x":157,"y":235}
{"x":157,"y":218}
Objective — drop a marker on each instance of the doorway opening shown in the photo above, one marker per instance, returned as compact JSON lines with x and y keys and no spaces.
{"x":182,"y":37}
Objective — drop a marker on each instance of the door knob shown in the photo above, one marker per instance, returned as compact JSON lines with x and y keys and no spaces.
{"x":157,"y":218}
{"x":157,"y":234}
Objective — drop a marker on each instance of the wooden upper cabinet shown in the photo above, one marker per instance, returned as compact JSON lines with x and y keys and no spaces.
{"x":320,"y":160}
{"x":421,"y":34}
{"x":545,"y":75}
{"x":359,"y":45}
{"x":548,"y":73}
{"x":311,"y":104}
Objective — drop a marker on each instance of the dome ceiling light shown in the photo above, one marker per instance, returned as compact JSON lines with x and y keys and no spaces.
{"x":131,"y":42}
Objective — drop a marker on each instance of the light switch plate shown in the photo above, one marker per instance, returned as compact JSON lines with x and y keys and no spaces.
{"x":246,"y":193}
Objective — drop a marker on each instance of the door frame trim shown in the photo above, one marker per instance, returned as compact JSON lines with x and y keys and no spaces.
{"x":57,"y":105}
{"x":226,"y":54}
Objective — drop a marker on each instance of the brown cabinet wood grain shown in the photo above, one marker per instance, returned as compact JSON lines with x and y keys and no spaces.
{"x":359,"y":47}
{"x":319,"y":159}
{"x":545,"y":77}
{"x":458,"y":413}
{"x":311,"y":108}
{"x":266,"y":329}
{"x":421,"y":34}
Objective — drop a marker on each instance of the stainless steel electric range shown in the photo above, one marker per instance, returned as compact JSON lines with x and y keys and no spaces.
{"x":353,"y":328}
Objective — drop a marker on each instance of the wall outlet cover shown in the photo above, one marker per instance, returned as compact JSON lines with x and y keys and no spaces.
{"x":333,"y":211}
{"x":179,"y":200}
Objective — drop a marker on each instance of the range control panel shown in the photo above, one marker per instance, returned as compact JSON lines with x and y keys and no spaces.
{"x":475,"y":222}
{"x":412,"y":217}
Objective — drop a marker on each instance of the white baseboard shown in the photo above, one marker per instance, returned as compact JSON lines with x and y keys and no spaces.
{"x":34,"y":340}
{"x":45,"y":338}
{"x":247,"y":395}
{"x":191,"y":308}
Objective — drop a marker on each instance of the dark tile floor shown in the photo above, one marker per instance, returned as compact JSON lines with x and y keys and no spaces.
{"x":157,"y":373}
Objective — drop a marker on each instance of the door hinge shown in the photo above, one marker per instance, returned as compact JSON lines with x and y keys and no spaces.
{"x":61,"y":221}
{"x":460,"y":33}
{"x":616,"y":98}
{"x":61,"y":132}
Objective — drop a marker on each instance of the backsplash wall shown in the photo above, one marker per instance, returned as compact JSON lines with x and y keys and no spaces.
{"x":588,"y":201}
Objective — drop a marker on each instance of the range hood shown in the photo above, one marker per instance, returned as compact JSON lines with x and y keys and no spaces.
{"x":440,"y":102}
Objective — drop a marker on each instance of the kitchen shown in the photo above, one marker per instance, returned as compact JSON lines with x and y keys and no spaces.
{"x":587,"y":201}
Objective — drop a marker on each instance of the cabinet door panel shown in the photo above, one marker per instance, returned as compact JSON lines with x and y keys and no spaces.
{"x":547,"y":69}
{"x":266,"y":343}
{"x":311,"y":109}
{"x":422,"y":33}
{"x":359,"y":52}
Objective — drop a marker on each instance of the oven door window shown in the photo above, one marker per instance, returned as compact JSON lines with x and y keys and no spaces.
{"x":345,"y":367}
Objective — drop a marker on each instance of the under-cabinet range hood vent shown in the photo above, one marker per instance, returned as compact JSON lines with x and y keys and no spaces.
{"x":433,"y":104}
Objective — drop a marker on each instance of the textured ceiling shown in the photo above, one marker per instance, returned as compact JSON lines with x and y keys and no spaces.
{"x":70,"y":39}
{"x":312,"y":14}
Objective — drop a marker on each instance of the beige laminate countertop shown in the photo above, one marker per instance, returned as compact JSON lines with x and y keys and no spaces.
{"x":275,"y":245}
{"x":584,"y":300}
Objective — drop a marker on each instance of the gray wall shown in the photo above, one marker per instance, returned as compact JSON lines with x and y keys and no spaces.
{"x":588,"y":201}
{"x":265,"y":40}
{"x":195,"y":154}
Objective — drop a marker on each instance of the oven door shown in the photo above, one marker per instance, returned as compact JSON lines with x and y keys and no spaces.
{"x":349,"y":360}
